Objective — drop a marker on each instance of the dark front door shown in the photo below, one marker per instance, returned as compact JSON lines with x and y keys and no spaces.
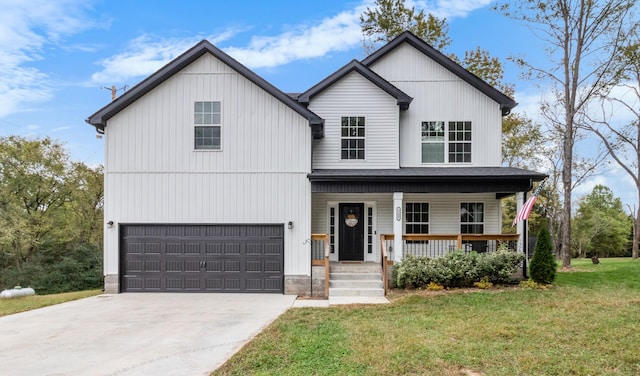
{"x":351,"y":232}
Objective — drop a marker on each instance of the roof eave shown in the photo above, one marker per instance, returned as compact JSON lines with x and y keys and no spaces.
{"x":100,"y":118}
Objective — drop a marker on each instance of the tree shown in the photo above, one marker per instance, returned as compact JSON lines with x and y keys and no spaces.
{"x":582,"y":38}
{"x":601,"y":225}
{"x":622,"y":139}
{"x":390,"y":18}
{"x":50,"y":217}
{"x":33,"y":192}
{"x":543,"y":264}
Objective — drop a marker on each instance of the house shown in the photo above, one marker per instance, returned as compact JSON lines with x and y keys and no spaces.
{"x":217,"y":181}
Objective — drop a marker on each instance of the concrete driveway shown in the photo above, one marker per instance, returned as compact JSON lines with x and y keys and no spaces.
{"x":135,"y":334}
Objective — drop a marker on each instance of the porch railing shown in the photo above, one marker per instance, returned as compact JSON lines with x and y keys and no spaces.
{"x":439,"y":245}
{"x":320,"y":257}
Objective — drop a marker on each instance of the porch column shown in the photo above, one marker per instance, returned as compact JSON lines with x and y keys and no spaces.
{"x":397,"y":226}
{"x":520,"y":226}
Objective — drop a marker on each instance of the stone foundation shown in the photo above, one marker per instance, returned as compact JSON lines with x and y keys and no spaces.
{"x":317,"y":280}
{"x":297,"y":285}
{"x":111,"y":284}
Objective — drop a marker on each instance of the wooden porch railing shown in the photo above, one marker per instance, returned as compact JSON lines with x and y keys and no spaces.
{"x":438,"y":245}
{"x":324,"y":261}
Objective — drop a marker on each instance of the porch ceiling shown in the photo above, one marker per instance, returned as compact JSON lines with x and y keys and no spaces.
{"x":503,"y":181}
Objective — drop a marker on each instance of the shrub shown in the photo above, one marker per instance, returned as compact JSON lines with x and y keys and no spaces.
{"x":412,"y":272}
{"x":80,"y":269}
{"x":543,"y":264}
{"x":499,"y":266}
{"x":457,"y":269}
{"x":483,"y":283}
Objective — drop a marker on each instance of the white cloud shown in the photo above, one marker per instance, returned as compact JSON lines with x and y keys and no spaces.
{"x":25,"y":28}
{"x":341,"y":32}
{"x":448,"y":8}
{"x":144,"y":55}
{"x":338,"y":33}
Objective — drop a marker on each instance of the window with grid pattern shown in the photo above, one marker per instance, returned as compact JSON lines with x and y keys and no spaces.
{"x":471,"y":218}
{"x":332,"y":229}
{"x":352,"y":137}
{"x":459,"y":141}
{"x":416,"y":218}
{"x":369,"y":230}
{"x":433,"y":141}
{"x":206,"y":117}
{"x":456,"y":136}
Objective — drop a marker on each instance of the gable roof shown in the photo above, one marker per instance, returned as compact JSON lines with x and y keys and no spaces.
{"x":506,"y":103}
{"x":100,"y":118}
{"x":402,"y":98}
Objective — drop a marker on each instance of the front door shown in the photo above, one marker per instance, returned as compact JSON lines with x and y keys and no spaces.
{"x":351,"y":232}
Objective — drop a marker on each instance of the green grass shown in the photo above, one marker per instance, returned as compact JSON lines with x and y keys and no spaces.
{"x":588,"y":323}
{"x":26,"y":303}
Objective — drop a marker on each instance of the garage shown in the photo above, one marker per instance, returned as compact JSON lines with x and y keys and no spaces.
{"x":202,"y":258}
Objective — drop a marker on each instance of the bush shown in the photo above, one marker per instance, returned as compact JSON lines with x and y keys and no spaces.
{"x":499,"y":266}
{"x":80,"y":269}
{"x":457,"y":269}
{"x":543,"y":264}
{"x":413,"y":271}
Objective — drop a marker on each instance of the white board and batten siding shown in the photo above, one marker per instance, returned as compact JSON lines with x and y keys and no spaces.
{"x":154,"y":175}
{"x":440,"y":95}
{"x":354,"y":95}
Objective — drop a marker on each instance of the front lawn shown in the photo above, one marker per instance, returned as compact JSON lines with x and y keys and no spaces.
{"x":26,"y":303}
{"x":587,"y":324}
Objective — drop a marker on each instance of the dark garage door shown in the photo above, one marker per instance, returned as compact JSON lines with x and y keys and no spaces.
{"x":202,"y":258}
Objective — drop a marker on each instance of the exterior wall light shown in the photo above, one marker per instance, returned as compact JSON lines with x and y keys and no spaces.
{"x":110,"y":224}
{"x":290,"y":225}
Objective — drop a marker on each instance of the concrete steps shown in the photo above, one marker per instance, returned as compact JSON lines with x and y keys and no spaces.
{"x":355,"y":280}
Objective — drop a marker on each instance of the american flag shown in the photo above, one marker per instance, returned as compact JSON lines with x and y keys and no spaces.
{"x":524,"y":212}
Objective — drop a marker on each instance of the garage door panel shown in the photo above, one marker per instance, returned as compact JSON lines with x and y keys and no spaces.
{"x":213,"y":248}
{"x":231,"y":249}
{"x":174,"y":248}
{"x":192,"y":248}
{"x":215,"y":258}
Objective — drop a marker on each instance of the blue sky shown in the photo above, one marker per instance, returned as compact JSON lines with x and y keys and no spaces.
{"x":58,"y":56}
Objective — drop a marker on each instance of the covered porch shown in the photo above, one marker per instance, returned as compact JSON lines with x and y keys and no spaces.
{"x":410,"y":244}
{"x":379,"y":216}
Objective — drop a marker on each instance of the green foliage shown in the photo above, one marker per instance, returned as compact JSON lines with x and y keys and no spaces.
{"x":390,"y":18}
{"x":543,"y":264}
{"x":457,"y":269}
{"x":50,"y":217}
{"x":601,"y":226}
{"x":483,"y":283}
{"x":76,"y":270}
{"x":532,"y":285}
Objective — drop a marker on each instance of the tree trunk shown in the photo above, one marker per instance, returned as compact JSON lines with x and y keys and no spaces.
{"x":567,"y":159}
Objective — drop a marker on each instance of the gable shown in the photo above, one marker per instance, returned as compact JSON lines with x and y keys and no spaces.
{"x":355,"y":67}
{"x":100,"y":118}
{"x":386,"y":61}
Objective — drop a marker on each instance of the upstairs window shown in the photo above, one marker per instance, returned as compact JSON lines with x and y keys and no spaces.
{"x":459,"y":141}
{"x":352,"y":137}
{"x":433,"y":141}
{"x":471,"y":218}
{"x":456,"y":137}
{"x":206,"y":117}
